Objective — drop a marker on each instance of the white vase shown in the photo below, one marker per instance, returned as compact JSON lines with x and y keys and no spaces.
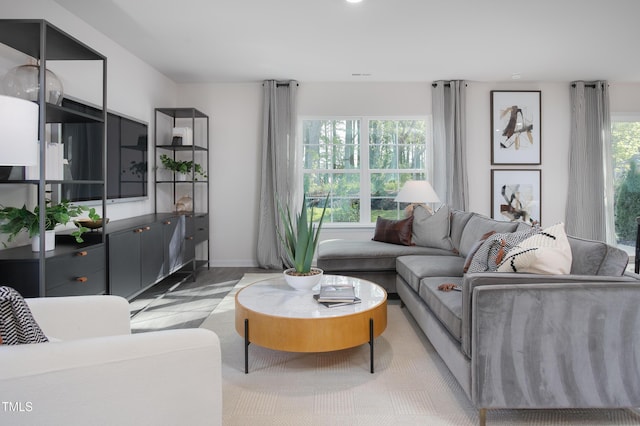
{"x":49,"y":241}
{"x":303,"y":282}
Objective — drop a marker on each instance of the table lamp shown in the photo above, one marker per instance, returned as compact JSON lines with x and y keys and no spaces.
{"x":417,"y":192}
{"x":18,"y":132}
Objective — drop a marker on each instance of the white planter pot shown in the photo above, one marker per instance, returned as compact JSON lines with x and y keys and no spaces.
{"x":303,"y":282}
{"x":49,"y":241}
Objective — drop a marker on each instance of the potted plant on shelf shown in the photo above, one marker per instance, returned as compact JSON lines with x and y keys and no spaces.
{"x":182,"y":167}
{"x":300,"y":239}
{"x":13,"y":220}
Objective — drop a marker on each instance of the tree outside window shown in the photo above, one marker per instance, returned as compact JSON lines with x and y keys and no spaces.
{"x":625,"y":139}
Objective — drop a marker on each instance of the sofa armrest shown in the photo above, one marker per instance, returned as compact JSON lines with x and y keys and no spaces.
{"x":162,"y":378}
{"x":79,"y":317}
{"x":552,"y":345}
{"x":472,"y":281}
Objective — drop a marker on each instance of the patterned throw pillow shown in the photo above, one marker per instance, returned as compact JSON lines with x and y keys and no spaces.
{"x":491,"y":253}
{"x":547,"y":252}
{"x":17,"y":325}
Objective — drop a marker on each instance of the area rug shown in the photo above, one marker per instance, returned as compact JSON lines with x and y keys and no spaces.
{"x":411,"y":384}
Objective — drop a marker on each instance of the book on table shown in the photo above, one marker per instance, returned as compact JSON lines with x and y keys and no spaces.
{"x":337,"y":293}
{"x":337,"y":304}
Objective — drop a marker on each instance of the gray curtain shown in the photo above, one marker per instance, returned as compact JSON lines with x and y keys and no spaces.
{"x":279,"y":168}
{"x":590,"y":191}
{"x":449,"y":175}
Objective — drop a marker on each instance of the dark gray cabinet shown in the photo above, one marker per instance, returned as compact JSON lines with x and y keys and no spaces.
{"x":135,"y":259}
{"x":70,"y":270}
{"x":144,"y":250}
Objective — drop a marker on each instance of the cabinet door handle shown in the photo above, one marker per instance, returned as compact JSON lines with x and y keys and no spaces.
{"x":201,"y":229}
{"x":82,"y":253}
{"x":189,"y":238}
{"x":137,"y":231}
{"x":168,"y":222}
{"x":82,"y":279}
{"x":146,"y":228}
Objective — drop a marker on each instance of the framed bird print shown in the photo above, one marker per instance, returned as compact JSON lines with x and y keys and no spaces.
{"x":515,"y":127}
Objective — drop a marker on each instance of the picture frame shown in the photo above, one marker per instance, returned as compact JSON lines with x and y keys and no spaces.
{"x":516,"y":124}
{"x":516,"y":195}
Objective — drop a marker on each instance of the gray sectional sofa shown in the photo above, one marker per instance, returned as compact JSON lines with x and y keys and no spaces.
{"x":512,"y":340}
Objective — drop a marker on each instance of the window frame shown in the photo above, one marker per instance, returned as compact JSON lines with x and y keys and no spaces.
{"x":365,"y":171}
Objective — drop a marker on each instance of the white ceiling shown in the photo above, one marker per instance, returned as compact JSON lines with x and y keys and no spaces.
{"x":393,"y":40}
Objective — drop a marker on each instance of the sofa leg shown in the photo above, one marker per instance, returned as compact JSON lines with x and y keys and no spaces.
{"x":482,"y":414}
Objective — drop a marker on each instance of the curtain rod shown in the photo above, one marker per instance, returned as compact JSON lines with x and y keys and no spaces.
{"x":593,"y":86}
{"x":284,"y":84}
{"x":436,"y":85}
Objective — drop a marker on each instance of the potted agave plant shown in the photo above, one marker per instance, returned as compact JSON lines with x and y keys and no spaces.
{"x":13,"y":220}
{"x":300,"y":240}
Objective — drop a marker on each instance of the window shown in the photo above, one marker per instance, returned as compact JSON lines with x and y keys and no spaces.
{"x":362,"y":163}
{"x":625,"y":141}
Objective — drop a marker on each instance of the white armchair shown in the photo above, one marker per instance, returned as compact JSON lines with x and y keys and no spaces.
{"x":100,"y":374}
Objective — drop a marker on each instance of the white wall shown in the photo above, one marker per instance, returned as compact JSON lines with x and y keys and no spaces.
{"x":133,"y":87}
{"x":235,"y":112}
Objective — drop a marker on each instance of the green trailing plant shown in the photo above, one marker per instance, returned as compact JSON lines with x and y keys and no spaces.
{"x":14,"y":219}
{"x":300,"y":236}
{"x":184,"y":167}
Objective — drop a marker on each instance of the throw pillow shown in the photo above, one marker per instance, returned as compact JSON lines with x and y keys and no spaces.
{"x":432,"y":230}
{"x":490,"y":253}
{"x":474,"y":249}
{"x":394,"y":231}
{"x":17,"y":325}
{"x":547,"y":252}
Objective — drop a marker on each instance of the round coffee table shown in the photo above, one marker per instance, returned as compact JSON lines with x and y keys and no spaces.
{"x":273,"y":315}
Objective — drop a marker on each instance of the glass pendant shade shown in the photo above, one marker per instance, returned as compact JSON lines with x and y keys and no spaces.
{"x":22,"y":82}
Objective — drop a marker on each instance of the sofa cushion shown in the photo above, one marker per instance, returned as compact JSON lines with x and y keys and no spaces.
{"x":446,"y":305}
{"x":394,"y":231}
{"x":458,"y":220}
{"x":493,"y":250}
{"x":596,"y":258}
{"x":414,"y":268}
{"x":365,"y":255}
{"x":546,"y":252}
{"x":431,"y":230}
{"x":479,"y":225}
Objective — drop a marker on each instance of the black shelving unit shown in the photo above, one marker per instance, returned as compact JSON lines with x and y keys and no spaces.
{"x":71,"y":268}
{"x":172,"y":188}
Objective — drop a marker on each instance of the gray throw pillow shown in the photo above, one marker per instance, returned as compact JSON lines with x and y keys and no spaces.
{"x":432,"y":230}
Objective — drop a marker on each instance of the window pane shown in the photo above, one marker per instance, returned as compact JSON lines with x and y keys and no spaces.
{"x":343,"y":210}
{"x":625,"y":139}
{"x":331,"y":144}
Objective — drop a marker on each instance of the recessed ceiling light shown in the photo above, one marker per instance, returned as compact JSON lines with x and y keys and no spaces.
{"x":354,"y":1}
{"x":516,"y":76}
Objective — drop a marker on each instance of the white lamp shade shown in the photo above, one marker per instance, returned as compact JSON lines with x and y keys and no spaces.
{"x":18,"y":132}
{"x":417,"y":191}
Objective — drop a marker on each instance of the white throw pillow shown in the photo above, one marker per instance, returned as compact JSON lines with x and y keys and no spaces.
{"x":547,"y":252}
